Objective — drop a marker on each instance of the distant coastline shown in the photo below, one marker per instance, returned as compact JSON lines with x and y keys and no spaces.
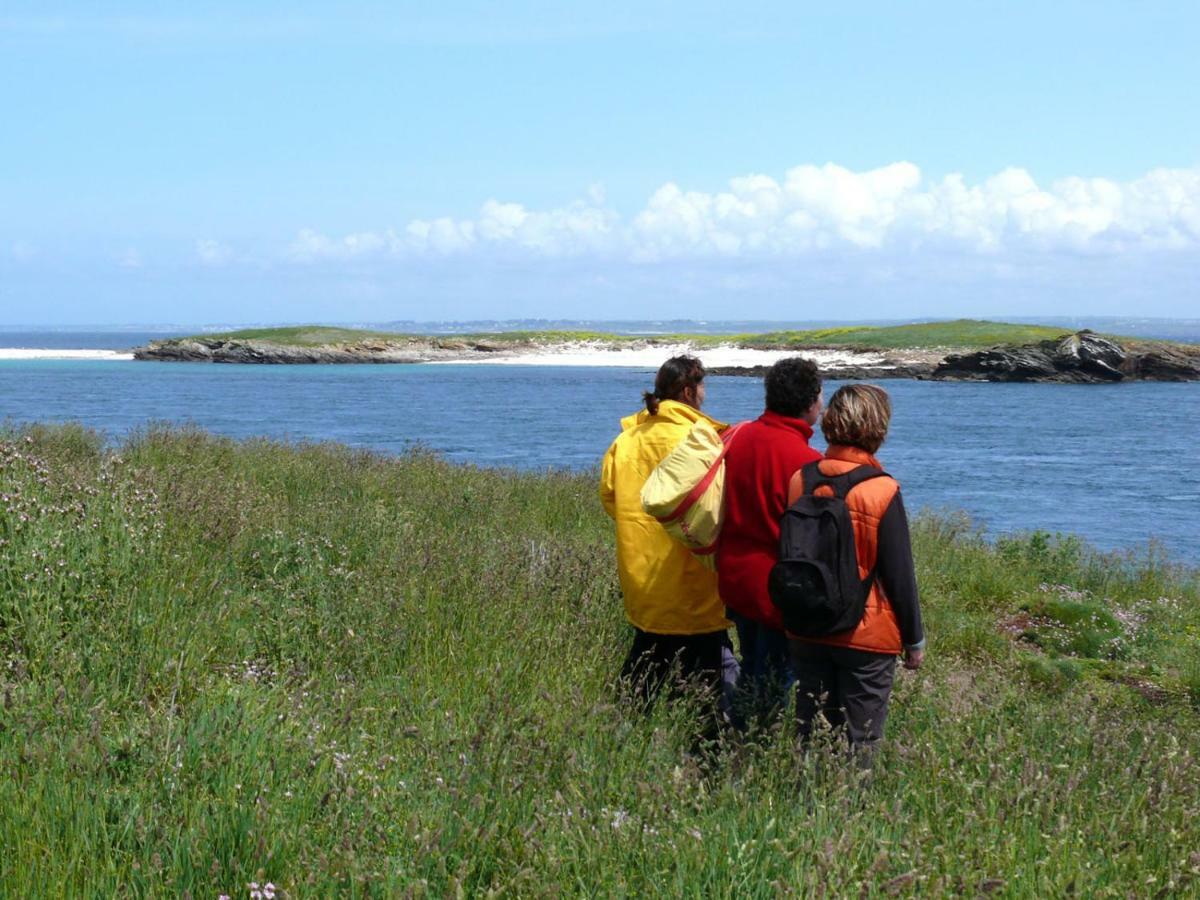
{"x":962,"y":350}
{"x":63,"y":353}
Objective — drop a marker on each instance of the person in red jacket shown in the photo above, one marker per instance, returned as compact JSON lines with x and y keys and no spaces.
{"x":846,"y":678}
{"x":761,"y":458}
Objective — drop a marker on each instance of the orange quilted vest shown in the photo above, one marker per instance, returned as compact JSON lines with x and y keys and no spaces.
{"x":878,"y":632}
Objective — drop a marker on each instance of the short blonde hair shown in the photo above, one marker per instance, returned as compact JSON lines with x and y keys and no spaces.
{"x":857,"y":416}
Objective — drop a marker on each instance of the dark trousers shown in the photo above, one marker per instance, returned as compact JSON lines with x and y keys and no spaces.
{"x":766,"y":674}
{"x":657,"y":661}
{"x":848,"y":688}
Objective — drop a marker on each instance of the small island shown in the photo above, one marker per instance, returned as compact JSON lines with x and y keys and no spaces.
{"x":960,"y":350}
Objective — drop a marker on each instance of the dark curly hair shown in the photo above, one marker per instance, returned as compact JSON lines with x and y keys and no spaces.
{"x":676,"y":374}
{"x":793,"y":386}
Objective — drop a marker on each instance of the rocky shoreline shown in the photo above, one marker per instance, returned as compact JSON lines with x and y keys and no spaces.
{"x":1080,"y":358}
{"x":915,"y":366}
{"x":220,"y":350}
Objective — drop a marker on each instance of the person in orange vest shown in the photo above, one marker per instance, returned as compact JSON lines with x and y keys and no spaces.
{"x":671,"y":599}
{"x":847,"y":677}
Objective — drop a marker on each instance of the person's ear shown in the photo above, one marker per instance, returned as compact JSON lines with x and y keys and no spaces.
{"x":814,"y":412}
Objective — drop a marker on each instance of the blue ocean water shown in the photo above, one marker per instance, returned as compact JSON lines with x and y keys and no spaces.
{"x":70,"y":339}
{"x":1117,"y":464}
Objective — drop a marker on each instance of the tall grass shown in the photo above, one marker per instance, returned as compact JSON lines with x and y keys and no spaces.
{"x":224,"y":663}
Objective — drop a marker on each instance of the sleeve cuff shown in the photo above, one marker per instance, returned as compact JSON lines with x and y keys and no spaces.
{"x":919,"y":645}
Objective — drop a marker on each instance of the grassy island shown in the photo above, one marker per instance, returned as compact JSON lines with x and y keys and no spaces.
{"x":342,"y":673}
{"x":960,"y":334}
{"x":960,"y":350}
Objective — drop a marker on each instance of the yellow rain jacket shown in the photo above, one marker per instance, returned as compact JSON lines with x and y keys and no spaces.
{"x":667,"y":590}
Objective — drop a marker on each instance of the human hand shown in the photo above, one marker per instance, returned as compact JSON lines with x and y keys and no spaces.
{"x":913,"y":659}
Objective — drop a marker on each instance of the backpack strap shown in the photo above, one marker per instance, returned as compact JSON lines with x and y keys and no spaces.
{"x":855,"y":477}
{"x":848,"y":481}
{"x":731,"y":432}
{"x":841,"y":485}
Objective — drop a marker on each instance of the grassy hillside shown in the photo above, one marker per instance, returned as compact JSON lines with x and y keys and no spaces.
{"x":303,"y":335}
{"x":350,"y":675}
{"x":962,"y":333}
{"x":320,"y":335}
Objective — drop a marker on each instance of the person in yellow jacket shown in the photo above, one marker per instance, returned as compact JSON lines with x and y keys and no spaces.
{"x":671,"y":600}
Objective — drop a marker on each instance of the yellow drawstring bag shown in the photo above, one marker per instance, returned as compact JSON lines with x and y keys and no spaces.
{"x":685,"y":491}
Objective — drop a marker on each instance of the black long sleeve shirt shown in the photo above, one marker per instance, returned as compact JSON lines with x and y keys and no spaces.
{"x":896,"y":574}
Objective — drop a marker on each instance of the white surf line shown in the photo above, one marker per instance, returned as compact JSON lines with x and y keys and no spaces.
{"x":50,"y":353}
{"x":587,"y":354}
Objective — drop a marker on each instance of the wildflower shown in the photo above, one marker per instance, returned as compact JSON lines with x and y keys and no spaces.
{"x":255,"y":892}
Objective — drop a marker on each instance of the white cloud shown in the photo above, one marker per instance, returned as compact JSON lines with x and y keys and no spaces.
{"x":813,"y":211}
{"x":309,"y":245}
{"x":130,"y":259}
{"x":579,"y":228}
{"x":212,"y":253}
{"x":441,"y":236}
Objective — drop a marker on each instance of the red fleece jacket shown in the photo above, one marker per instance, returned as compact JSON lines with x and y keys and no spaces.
{"x":758,"y":466}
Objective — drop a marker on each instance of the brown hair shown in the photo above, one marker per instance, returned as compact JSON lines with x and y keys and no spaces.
{"x":675,"y":376}
{"x":857,"y":416}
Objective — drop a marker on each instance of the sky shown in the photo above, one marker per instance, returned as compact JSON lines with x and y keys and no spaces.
{"x":357,"y":162}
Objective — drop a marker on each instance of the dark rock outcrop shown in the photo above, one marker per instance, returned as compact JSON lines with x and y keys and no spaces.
{"x":1083,"y":358}
{"x":887,"y":369}
{"x":264,"y":352}
{"x":1163,"y":362}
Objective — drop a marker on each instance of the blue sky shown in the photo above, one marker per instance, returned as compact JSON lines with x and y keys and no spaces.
{"x":367,"y":162}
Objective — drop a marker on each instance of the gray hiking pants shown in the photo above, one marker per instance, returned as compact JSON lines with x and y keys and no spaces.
{"x":848,"y":688}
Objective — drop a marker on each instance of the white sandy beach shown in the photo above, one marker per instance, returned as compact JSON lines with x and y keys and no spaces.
{"x":592,"y":354}
{"x":49,"y":353}
{"x":584,"y":353}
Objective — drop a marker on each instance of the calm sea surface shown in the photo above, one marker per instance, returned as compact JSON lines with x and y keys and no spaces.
{"x":1116,"y":464}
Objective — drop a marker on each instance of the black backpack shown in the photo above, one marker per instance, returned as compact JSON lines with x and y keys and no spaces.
{"x":815,"y":584}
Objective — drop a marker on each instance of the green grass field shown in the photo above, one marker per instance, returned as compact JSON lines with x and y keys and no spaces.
{"x":224,"y":663}
{"x":961,"y":334}
{"x":303,"y":335}
{"x":322,"y":335}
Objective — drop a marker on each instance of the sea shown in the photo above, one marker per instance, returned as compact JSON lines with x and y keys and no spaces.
{"x":1117,"y":465}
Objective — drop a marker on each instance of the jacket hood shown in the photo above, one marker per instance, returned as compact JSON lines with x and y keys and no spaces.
{"x":777,"y":420}
{"x":674,"y":412}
